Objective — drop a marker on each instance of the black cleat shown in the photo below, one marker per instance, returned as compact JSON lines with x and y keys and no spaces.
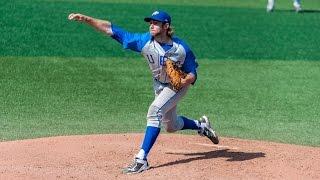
{"x":208,"y":131}
{"x":137,"y":166}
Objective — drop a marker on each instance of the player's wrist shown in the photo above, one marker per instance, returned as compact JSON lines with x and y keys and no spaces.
{"x":87,"y":19}
{"x":190,"y":78}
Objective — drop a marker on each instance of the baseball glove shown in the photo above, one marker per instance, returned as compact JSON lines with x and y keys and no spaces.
{"x":175,"y":74}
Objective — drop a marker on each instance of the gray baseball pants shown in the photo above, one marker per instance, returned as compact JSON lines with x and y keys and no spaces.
{"x":163,"y":110}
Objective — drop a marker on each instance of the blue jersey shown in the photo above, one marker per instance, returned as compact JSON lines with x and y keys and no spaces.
{"x":156,"y":53}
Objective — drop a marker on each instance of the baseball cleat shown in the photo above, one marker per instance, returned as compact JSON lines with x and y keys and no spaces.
{"x":208,"y":131}
{"x":137,"y":166}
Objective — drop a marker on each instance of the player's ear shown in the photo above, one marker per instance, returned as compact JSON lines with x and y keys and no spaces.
{"x":166,"y":25}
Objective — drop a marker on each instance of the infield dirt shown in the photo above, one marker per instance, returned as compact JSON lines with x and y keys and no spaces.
{"x":174,"y":156}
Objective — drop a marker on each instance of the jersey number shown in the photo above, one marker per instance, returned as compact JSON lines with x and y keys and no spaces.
{"x":151,"y":60}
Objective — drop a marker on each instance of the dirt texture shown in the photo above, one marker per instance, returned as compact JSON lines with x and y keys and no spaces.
{"x":174,"y":156}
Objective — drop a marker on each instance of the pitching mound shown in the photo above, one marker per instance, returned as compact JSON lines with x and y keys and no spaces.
{"x":173,"y":157}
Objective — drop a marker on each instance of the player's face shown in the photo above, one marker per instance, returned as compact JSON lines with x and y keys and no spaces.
{"x":156,"y":28}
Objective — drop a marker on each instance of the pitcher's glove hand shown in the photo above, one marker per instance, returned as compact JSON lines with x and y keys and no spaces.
{"x":175,"y":74}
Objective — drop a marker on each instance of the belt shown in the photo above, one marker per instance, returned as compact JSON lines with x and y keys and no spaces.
{"x":155,"y":79}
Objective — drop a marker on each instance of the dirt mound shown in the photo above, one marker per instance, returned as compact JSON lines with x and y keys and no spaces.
{"x":173,"y":157}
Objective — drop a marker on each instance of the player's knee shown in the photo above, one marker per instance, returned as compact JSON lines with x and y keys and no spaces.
{"x":154,"y":116}
{"x":154,"y":112}
{"x":170,"y":130}
{"x":173,"y":125}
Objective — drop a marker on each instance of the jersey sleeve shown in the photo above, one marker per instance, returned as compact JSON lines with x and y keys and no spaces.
{"x":190,"y":64}
{"x":132,"y":41}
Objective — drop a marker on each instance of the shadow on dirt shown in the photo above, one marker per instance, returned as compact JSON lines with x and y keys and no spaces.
{"x":231,"y":156}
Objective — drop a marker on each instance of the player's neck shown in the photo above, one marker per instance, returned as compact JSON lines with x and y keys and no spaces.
{"x":163,"y":39}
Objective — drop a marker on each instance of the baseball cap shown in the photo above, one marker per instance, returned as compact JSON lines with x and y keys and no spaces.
{"x":159,"y":16}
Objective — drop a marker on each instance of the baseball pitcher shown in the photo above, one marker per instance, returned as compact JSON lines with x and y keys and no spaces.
{"x":174,"y":69}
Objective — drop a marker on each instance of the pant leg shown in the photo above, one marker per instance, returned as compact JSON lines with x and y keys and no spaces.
{"x":166,"y":102}
{"x":171,"y":121}
{"x":163,"y":106}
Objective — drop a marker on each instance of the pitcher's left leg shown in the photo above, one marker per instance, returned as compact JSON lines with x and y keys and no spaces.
{"x":173,"y":123}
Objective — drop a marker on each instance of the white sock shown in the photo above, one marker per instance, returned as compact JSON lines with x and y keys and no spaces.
{"x":141,"y":154}
{"x":200,"y":125}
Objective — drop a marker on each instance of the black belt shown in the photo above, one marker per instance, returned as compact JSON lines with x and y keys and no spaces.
{"x":160,"y":81}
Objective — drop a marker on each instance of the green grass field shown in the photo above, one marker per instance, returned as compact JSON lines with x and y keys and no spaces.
{"x":258,"y":76}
